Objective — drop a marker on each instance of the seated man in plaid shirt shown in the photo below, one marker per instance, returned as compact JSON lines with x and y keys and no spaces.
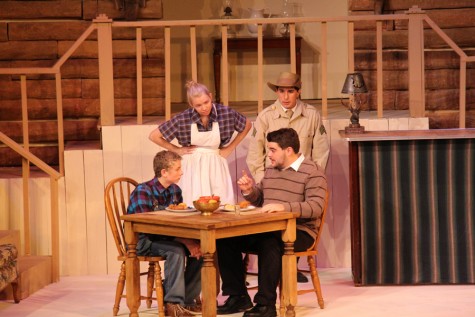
{"x":182,"y":283}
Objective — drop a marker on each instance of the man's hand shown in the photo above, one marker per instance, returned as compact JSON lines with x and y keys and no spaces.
{"x":272,"y":208}
{"x":192,"y":245}
{"x":245,"y":183}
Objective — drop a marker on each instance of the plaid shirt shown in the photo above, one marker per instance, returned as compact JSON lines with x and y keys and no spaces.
{"x":151,"y":195}
{"x":178,"y":127}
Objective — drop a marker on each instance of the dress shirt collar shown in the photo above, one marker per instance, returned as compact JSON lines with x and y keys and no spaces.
{"x":296,"y":164}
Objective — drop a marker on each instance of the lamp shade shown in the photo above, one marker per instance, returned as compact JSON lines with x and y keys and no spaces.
{"x":354,"y":84}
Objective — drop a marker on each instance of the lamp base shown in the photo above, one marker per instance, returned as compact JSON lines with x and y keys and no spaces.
{"x":354,"y":129}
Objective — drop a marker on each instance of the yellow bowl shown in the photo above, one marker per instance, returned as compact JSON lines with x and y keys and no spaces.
{"x":206,"y":208}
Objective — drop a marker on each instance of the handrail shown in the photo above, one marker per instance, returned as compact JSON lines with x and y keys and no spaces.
{"x":29,"y":156}
{"x":54,"y":199}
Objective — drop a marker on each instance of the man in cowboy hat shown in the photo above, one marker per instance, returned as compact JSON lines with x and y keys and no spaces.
{"x":288,"y":111}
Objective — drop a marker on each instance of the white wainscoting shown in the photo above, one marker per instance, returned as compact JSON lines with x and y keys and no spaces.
{"x":86,"y":245}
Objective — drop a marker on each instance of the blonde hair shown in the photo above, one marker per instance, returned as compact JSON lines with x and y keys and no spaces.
{"x":194,"y":89}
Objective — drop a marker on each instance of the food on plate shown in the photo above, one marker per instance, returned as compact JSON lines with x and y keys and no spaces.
{"x":229,"y":207}
{"x":244,"y":204}
{"x":180,"y":206}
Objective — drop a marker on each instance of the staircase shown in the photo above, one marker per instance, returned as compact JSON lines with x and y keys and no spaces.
{"x":35,"y":271}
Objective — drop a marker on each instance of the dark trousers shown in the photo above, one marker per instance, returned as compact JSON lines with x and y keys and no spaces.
{"x":269,"y":249}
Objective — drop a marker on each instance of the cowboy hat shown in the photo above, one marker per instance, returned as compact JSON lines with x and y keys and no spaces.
{"x":286,"y":79}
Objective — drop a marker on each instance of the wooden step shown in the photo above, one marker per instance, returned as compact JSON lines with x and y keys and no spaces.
{"x":35,"y":273}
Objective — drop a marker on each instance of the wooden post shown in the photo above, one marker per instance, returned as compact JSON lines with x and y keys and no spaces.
{"x":59,"y":113}
{"x":379,"y":67}
{"x":54,"y":196}
{"x":106,"y":76}
{"x":323,"y":54}
{"x":225,"y":66}
{"x":138,"y":45}
{"x":260,"y":69}
{"x":168,"y":76}
{"x":194,"y":58}
{"x":416,"y":62}
{"x":25,"y":166}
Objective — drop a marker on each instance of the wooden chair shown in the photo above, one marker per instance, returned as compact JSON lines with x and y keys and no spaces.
{"x":310,"y":254}
{"x":116,"y":197}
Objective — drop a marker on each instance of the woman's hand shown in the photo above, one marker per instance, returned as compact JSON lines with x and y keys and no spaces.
{"x":225,"y":151}
{"x":184,"y":150}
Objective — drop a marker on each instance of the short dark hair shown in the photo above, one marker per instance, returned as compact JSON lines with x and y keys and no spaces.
{"x":285,"y":137}
{"x":164,"y":160}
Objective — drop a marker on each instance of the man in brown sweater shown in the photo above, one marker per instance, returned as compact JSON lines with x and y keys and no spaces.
{"x":292,"y":183}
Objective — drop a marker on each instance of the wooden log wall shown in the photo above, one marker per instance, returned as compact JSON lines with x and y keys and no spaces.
{"x":24,"y":43}
{"x":457,"y":19}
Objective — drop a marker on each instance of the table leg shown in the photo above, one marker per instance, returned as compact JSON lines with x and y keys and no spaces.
{"x":208,"y":273}
{"x":289,"y":270}
{"x":132,"y":271}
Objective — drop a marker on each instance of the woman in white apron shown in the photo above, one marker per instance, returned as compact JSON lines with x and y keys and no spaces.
{"x":205,"y":135}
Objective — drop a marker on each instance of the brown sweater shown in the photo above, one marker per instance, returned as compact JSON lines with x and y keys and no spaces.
{"x":302,"y":192}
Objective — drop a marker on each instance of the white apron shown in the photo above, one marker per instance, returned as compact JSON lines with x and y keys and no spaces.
{"x":205,"y":172}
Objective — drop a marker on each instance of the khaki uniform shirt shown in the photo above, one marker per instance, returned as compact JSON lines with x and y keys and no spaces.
{"x":306,"y":120}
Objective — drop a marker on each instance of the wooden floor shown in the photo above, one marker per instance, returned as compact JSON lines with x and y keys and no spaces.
{"x":92,"y":296}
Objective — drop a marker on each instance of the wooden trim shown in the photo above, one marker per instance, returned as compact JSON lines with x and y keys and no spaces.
{"x":55,"y":237}
{"x":194,"y":67}
{"x":324,"y":56}
{"x":138,"y":48}
{"x":168,"y":103}
{"x":29,"y":156}
{"x":379,"y":67}
{"x":293,"y":63}
{"x":26,"y":205}
{"x":260,"y":69}
{"x":59,"y":112}
{"x":355,"y":227}
{"x":225,"y":65}
{"x":76,"y":44}
{"x":462,"y":93}
{"x":106,"y":73}
{"x":416,"y":63}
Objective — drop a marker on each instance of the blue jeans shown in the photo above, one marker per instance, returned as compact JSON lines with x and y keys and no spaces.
{"x":182,"y":283}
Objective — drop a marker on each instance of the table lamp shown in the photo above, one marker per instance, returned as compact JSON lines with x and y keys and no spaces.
{"x":354,"y":86}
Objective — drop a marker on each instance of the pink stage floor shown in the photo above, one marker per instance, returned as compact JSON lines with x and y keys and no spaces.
{"x":94,"y":295}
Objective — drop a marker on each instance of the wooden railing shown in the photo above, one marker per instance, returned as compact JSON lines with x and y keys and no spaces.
{"x":27,"y":158}
{"x":104,"y":26}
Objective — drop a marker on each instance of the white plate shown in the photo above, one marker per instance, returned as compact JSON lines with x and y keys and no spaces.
{"x":189,"y":209}
{"x":250,"y":207}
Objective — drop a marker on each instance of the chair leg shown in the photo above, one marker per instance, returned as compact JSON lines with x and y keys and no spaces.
{"x":315,"y":281}
{"x":159,"y":289}
{"x":119,"y":290}
{"x":150,"y":276}
{"x":16,"y":289}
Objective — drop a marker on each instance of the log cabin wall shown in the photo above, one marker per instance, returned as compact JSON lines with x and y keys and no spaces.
{"x":40,"y":43}
{"x":457,"y":19}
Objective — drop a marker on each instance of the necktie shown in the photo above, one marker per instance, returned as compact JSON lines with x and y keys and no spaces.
{"x":289,"y":113}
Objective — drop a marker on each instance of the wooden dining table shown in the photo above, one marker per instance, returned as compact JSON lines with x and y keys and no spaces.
{"x":208,"y":229}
